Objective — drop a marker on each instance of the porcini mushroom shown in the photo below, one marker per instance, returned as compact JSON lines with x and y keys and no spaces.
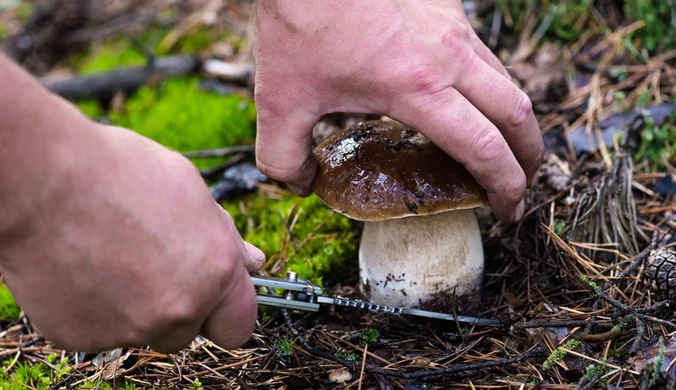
{"x":421,"y":236}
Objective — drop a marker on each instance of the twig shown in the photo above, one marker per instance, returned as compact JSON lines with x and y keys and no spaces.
{"x":221,"y":152}
{"x":105,"y":86}
{"x":613,"y":333}
{"x":626,"y":309}
{"x":657,"y":307}
{"x":640,"y":331}
{"x":363,"y":364}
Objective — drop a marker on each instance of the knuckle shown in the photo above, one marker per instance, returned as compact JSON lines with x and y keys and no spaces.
{"x":516,"y":188}
{"x":522,"y":111}
{"x":458,"y":42}
{"x":457,"y":32}
{"x":181,"y":313}
{"x":423,"y":79}
{"x":489,"y":145}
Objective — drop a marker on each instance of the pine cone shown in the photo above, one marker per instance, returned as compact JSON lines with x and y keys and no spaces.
{"x":661,"y":270}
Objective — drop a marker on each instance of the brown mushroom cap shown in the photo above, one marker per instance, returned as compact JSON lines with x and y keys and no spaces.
{"x":379,"y":170}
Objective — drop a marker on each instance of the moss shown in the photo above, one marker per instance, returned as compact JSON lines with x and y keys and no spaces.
{"x":39,"y":376}
{"x":26,"y":375}
{"x":558,"y":354}
{"x":9,"y":310}
{"x":108,"y":56}
{"x":181,"y":116}
{"x":195,"y":41}
{"x":90,"y":108}
{"x":116,"y":52}
{"x":325,"y":251}
{"x":369,"y":336}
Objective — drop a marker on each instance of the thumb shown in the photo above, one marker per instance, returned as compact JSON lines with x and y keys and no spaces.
{"x":255,"y":260}
{"x":284,"y":144}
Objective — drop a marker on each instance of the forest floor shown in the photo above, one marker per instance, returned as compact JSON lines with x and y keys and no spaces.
{"x":582,"y":285}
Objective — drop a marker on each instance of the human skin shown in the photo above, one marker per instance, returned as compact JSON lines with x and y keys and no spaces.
{"x":416,"y":61}
{"x":108,"y":239}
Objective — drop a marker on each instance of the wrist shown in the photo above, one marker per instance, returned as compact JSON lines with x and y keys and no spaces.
{"x":41,"y":137}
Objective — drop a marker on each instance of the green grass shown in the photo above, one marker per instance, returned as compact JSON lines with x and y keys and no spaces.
{"x":567,"y":20}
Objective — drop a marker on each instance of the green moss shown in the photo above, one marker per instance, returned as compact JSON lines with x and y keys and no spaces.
{"x":26,"y":375}
{"x":117,"y":52}
{"x":324,"y":250}
{"x":39,"y":376}
{"x":558,"y":354}
{"x":108,"y":56}
{"x":183,"y":117}
{"x":369,"y":336}
{"x":9,"y":310}
{"x":195,"y":41}
{"x":90,"y":108}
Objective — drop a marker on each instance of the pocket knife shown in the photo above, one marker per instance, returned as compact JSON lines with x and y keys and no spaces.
{"x":301,"y":294}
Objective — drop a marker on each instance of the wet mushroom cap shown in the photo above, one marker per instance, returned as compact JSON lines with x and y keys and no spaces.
{"x":380,"y":170}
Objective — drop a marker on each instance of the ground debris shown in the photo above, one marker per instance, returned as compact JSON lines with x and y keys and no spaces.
{"x":582,"y":285}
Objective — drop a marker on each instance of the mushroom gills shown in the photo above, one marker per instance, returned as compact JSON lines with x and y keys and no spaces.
{"x":407,"y":261}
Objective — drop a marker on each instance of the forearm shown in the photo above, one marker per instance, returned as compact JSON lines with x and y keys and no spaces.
{"x":37,"y":148}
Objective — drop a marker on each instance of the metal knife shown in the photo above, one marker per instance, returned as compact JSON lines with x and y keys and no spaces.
{"x":301,"y":294}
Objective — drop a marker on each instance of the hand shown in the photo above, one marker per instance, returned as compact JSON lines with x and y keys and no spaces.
{"x":418,"y":62}
{"x":129,"y":249}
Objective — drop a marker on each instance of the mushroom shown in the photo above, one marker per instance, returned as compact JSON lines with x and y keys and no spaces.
{"x":421,"y":236}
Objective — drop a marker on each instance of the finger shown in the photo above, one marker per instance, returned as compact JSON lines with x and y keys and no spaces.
{"x":509,"y":108}
{"x":256,"y":258}
{"x":487,"y":55}
{"x":456,"y":126}
{"x":231,"y":323}
{"x":175,"y":339}
{"x":284,"y":147}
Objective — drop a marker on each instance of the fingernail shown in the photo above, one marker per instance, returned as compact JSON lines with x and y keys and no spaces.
{"x":518,"y":214}
{"x":297,"y":190}
{"x":256,"y":253}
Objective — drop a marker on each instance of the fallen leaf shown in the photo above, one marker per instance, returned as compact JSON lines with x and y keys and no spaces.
{"x":651,"y":352}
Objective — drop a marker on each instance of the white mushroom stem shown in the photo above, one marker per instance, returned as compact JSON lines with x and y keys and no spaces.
{"x":406,"y":261}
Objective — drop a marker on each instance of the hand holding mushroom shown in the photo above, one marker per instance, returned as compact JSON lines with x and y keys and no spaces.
{"x":417,"y":62}
{"x":421,"y":237}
